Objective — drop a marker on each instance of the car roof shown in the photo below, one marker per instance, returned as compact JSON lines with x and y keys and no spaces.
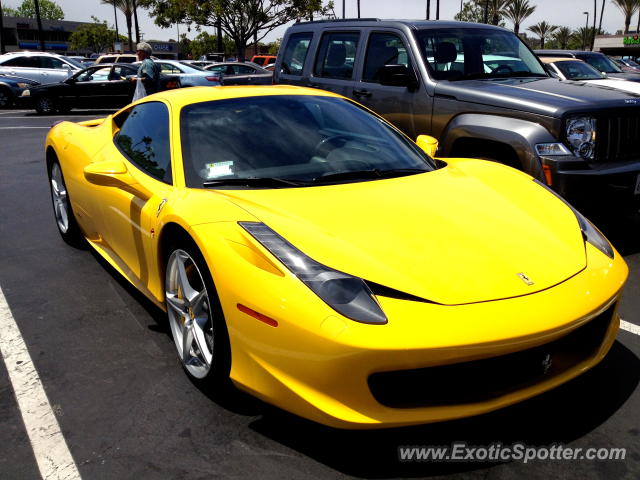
{"x":31,"y":52}
{"x":378,"y":22}
{"x":182,"y":97}
{"x":559,"y":59}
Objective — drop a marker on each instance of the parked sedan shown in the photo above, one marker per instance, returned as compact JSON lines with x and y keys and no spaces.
{"x":190,"y":76}
{"x":11,"y":88}
{"x":236,"y":73}
{"x":577,"y":70}
{"x":99,"y":86}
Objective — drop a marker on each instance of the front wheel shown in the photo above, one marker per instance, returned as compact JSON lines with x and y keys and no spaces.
{"x":195,"y":317}
{"x":66,"y":222}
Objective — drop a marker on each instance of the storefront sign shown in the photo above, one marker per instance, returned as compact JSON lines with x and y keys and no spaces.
{"x":633,"y":40}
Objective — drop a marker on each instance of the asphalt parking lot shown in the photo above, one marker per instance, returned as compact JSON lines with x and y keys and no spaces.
{"x":126,"y":409}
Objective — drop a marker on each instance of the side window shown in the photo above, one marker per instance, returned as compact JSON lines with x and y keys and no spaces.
{"x":168,"y":68}
{"x":383,"y":49}
{"x":144,"y":139}
{"x":31,"y":62}
{"x":108,"y":59}
{"x":243,"y":69}
{"x":295,"y":53}
{"x":121,"y":73}
{"x":336,"y":55}
{"x":218,"y":68}
{"x":51,"y":62}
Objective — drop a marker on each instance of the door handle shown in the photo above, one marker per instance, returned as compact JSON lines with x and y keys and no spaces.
{"x":362,"y":93}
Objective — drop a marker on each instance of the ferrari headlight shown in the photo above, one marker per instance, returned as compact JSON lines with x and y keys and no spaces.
{"x":346,"y":294}
{"x":581,"y":136}
{"x":590,"y":232}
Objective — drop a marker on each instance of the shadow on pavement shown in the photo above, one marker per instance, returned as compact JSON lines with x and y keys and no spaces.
{"x":559,"y":416}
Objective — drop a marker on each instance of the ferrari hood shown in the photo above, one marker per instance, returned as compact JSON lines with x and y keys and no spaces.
{"x":470,"y":232}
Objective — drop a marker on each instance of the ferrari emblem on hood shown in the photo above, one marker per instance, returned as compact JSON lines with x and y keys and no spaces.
{"x":525,"y":279}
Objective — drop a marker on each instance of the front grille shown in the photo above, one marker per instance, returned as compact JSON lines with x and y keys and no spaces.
{"x":617,"y":137}
{"x":482,"y":380}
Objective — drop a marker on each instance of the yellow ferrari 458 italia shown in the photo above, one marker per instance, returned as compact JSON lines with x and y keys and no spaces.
{"x":308,"y":251}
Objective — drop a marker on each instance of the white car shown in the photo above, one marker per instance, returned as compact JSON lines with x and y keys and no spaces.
{"x":573,"y":69}
{"x":41,"y":67}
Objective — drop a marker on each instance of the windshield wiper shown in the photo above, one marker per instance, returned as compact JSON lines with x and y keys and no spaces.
{"x":367,"y":174}
{"x":254,"y":182}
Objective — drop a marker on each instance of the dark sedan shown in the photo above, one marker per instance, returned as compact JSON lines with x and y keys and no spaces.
{"x":99,"y":86}
{"x":237,"y":73}
{"x":11,"y":88}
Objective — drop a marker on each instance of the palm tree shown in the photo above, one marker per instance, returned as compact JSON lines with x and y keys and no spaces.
{"x":628,"y":7}
{"x":542,"y":30}
{"x":584,"y":35}
{"x":497,"y":10}
{"x":517,"y":11}
{"x":563,"y":36}
{"x":134,"y":5}
{"x":126,"y":7}
{"x":602,"y":15}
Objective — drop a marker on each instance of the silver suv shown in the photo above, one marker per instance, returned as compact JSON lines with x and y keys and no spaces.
{"x":41,"y":67}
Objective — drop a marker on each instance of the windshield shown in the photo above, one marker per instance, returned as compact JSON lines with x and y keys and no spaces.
{"x":601,"y":63}
{"x":74,"y":62}
{"x":578,"y":70}
{"x":293,"y":137}
{"x":465,"y":53}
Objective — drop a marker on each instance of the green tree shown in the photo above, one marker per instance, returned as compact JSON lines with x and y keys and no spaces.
{"x":275,"y":46}
{"x":240,"y":19}
{"x":562,"y":37}
{"x":96,"y":36}
{"x":473,"y":11}
{"x":542,"y":30}
{"x":206,"y":43}
{"x":126,"y":7}
{"x":628,"y":7}
{"x":49,"y":10}
{"x":517,"y":11}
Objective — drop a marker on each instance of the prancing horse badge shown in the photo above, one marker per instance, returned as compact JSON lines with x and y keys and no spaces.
{"x":525,"y":279}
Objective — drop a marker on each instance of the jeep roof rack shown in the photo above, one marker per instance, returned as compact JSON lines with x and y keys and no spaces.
{"x":340,"y":20}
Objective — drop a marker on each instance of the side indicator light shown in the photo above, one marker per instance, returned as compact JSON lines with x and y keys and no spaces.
{"x":547,"y":173}
{"x":258,"y":316}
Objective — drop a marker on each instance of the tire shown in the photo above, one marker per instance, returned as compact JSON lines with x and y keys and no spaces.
{"x":44,"y":105}
{"x":63,"y":214}
{"x":6,"y":97}
{"x":196,"y":319}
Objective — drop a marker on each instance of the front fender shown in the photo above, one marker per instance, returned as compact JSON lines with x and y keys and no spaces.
{"x":519,"y":134}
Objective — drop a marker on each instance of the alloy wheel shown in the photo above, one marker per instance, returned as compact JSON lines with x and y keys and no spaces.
{"x":189,"y":312}
{"x":59,"y":197}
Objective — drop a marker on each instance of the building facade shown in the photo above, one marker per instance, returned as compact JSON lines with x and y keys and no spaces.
{"x":626,"y":45}
{"x":21,"y":33}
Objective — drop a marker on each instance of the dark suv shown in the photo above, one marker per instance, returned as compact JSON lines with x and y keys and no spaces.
{"x":482,"y":92}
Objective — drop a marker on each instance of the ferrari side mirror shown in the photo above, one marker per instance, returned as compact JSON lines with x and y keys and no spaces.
{"x":114,"y":173}
{"x":427,"y":144}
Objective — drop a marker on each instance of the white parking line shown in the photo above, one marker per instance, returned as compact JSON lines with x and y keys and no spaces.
{"x":49,"y":446}
{"x":629,"y":327}
{"x":10,"y":112}
{"x":18,"y":128}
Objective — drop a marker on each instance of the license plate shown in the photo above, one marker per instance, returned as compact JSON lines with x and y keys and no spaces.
{"x":637,"y":190}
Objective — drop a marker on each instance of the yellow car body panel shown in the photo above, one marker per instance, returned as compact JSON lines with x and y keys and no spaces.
{"x":464,"y":234}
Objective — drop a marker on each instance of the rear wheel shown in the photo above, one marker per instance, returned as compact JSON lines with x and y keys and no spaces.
{"x":44,"y":105}
{"x":196,"y":318}
{"x":66,"y":222}
{"x":6,"y":98}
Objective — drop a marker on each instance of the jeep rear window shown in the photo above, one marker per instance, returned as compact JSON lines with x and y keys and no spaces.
{"x":295,"y":53}
{"x":476,"y":53}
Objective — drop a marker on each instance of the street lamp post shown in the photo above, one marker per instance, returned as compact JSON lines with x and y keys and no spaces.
{"x":586,"y":28}
{"x":115,"y":17}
